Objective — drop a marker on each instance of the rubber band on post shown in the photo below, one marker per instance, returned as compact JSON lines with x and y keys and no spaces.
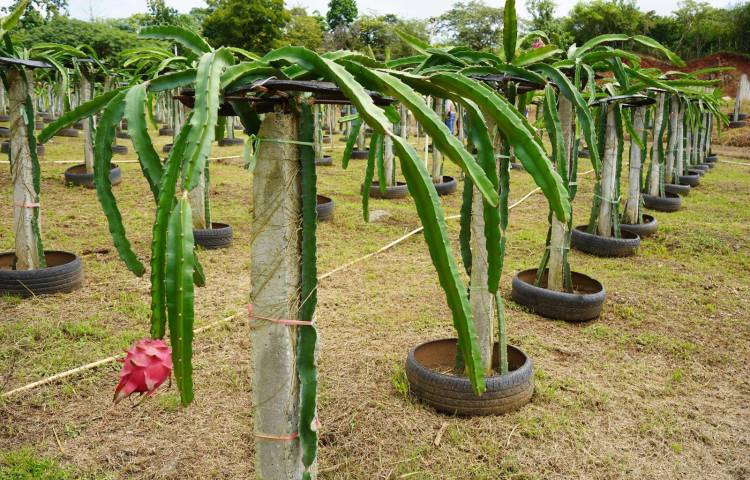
{"x":278,"y":438}
{"x":281,"y":321}
{"x":28,"y":205}
{"x":281,"y":140}
{"x":609,"y":200}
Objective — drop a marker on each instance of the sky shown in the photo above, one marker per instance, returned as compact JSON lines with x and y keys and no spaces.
{"x":410,"y":9}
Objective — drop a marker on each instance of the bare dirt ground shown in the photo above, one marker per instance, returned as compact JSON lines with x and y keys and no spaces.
{"x":656,"y":388}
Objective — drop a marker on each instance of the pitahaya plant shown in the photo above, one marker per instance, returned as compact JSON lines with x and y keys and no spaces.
{"x":146,"y":366}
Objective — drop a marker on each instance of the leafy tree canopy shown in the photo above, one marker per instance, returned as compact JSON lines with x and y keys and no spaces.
{"x":303,"y":29}
{"x":473,"y":23}
{"x":341,"y":13}
{"x":255,"y":25}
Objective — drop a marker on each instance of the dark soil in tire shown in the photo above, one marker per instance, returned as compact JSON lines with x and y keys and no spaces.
{"x":228,"y":142}
{"x":67,"y":132}
{"x":453,"y":394}
{"x":166,"y":148}
{"x":583,"y":305}
{"x":77,"y":176}
{"x":326,"y":161}
{"x":166,"y":132}
{"x":605,"y":246}
{"x":220,"y":236}
{"x":64,"y":273}
{"x":324,"y":208}
{"x":400,"y":190}
{"x":690,"y":180}
{"x":120,"y":149}
{"x":671,"y":203}
{"x":4,"y":132}
{"x":447,"y":186}
{"x":738,"y":124}
{"x":360,"y":154}
{"x":683,"y":190}
{"x":645,"y":229}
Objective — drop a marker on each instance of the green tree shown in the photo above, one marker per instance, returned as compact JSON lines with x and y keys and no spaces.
{"x":341,"y":13}
{"x":543,"y":18}
{"x":255,"y":25}
{"x":597,"y":17}
{"x":474,"y":24}
{"x":108,"y":38}
{"x":303,"y":30}
{"x":379,"y":34}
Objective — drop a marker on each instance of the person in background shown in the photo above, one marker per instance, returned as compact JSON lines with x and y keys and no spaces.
{"x":450,"y":115}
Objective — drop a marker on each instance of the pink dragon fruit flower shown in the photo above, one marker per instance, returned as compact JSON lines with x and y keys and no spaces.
{"x":538,"y":43}
{"x":145,"y":367}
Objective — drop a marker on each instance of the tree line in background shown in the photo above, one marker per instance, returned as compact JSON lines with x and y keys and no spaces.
{"x":693,"y":30}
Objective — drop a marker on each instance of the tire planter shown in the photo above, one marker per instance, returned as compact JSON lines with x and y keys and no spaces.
{"x":67,"y":132}
{"x":4,"y":132}
{"x":78,"y":125}
{"x":696,"y":171}
{"x":702,"y":166}
{"x":683,"y":190}
{"x":738,"y":124}
{"x":228,"y":142}
{"x":324,"y":208}
{"x":326,"y":139}
{"x":120,"y":149}
{"x":447,"y":186}
{"x":670,"y":203}
{"x":690,"y":180}
{"x":77,"y":176}
{"x":742,"y":116}
{"x":600,"y":246}
{"x":360,"y":154}
{"x":645,"y":229}
{"x":166,"y":148}
{"x":122,"y":134}
{"x":4,"y":118}
{"x":62,"y":274}
{"x":516,"y":166}
{"x":453,"y":394}
{"x":583,"y":305}
{"x":5,"y":148}
{"x":399,"y":190}
{"x":220,"y":236}
{"x":166,"y":132}
{"x":712,"y":158}
{"x":584,"y":153}
{"x":326,"y":161}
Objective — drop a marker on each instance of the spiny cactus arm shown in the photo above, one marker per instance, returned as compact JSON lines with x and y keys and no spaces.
{"x":193,"y":42}
{"x":166,"y":200}
{"x":135,"y":107}
{"x":179,"y":289}
{"x":105,"y":133}
{"x":205,"y":114}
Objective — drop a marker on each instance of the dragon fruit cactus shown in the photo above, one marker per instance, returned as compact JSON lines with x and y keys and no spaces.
{"x":146,"y":365}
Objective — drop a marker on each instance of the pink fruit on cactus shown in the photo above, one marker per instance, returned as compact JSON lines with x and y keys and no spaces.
{"x":146,"y":365}
{"x":538,"y":43}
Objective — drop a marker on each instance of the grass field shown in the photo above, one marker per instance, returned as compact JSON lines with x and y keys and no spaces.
{"x":657,"y":388}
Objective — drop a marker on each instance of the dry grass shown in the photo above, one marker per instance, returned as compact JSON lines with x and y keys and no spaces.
{"x":656,"y":388}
